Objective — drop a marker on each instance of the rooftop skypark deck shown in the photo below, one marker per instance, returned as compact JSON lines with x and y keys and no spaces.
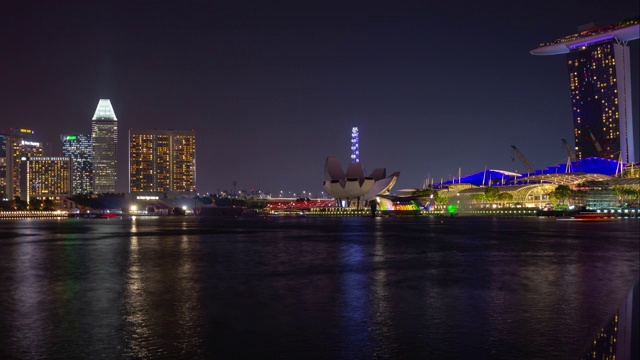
{"x":626,"y":30}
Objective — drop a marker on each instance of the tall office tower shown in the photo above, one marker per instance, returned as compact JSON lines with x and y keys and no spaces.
{"x":45,"y":177}
{"x":19,"y":144}
{"x":104,"y":140}
{"x":600,"y":81}
{"x":162,"y":161}
{"x":78,"y":149}
{"x":355,"y":146}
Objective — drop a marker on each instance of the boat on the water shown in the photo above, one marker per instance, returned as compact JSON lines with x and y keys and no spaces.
{"x":591,"y":216}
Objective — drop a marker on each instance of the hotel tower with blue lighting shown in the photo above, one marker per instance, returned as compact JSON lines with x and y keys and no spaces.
{"x":600,"y":81}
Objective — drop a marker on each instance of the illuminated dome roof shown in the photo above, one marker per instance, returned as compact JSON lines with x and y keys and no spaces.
{"x":354,"y":183}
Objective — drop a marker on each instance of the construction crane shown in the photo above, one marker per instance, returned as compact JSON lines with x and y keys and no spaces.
{"x":569,"y":150}
{"x":523,"y":159}
{"x":596,"y":143}
{"x":571,"y":159}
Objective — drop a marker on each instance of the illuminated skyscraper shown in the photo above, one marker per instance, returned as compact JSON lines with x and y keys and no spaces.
{"x":104,"y":140}
{"x":355,"y":146}
{"x":600,"y":81}
{"x":18,"y":144}
{"x":45,"y":177}
{"x":162,"y":161}
{"x":78,"y":149}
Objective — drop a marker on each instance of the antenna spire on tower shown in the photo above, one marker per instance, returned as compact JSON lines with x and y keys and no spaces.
{"x":355,"y":146}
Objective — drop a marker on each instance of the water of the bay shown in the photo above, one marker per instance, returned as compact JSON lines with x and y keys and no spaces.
{"x":326,"y":288}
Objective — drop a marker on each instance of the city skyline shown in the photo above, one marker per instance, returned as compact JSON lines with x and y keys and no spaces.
{"x":272,"y":90}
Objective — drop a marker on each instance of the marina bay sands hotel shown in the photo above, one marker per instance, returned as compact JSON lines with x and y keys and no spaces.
{"x":600,"y":81}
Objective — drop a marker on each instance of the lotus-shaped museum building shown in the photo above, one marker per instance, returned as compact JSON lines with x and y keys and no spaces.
{"x":354,"y":184}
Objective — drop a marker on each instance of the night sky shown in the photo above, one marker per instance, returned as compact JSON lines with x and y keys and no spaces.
{"x":274,"y":87}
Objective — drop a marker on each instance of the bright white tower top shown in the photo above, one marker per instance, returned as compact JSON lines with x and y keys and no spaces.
{"x":104,"y":110}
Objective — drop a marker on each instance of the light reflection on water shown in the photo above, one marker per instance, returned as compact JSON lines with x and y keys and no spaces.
{"x":26,"y":296}
{"x":137,"y":316}
{"x":313,"y":288}
{"x":381,"y":319}
{"x":354,"y":302}
{"x":189,"y":326}
{"x":162,"y":302}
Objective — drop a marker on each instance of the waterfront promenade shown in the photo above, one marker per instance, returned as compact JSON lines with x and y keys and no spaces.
{"x":14,"y":215}
{"x":346,"y":212}
{"x":499,"y":212}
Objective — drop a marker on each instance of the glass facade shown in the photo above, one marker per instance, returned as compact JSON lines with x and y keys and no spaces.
{"x":162,"y":161}
{"x":104,"y":140}
{"x":78,"y":148}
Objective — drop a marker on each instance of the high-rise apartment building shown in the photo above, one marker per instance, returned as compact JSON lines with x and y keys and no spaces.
{"x":45,"y":177}
{"x":162,"y":161}
{"x":78,"y":149}
{"x":104,"y":140}
{"x":600,"y":81}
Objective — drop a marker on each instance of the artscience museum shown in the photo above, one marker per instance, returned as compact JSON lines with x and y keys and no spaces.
{"x":353,"y":188}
